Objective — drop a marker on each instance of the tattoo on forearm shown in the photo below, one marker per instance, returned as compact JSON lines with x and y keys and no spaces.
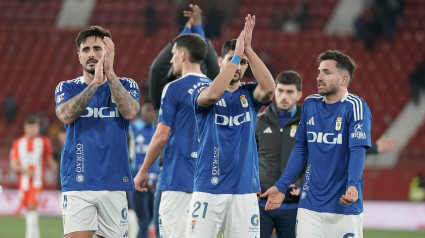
{"x":126,"y":104}
{"x":72,"y":109}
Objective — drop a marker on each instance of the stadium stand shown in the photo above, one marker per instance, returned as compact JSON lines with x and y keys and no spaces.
{"x":36,"y":57}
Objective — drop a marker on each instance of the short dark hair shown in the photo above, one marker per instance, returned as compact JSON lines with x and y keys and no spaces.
{"x":195,"y":46}
{"x":290,"y":77}
{"x":32,"y":119}
{"x":343,"y":61}
{"x":93,"y":31}
{"x":228,"y":46}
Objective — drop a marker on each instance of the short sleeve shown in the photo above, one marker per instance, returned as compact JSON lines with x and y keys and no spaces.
{"x":167,"y":110}
{"x":131,"y":86}
{"x":360,"y":123}
{"x":63,"y":93}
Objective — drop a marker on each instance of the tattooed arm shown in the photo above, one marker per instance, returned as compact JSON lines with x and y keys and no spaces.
{"x":126,"y":104}
{"x":72,"y":109}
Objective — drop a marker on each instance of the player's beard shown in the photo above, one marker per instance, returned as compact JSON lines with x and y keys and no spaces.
{"x":236,"y":79}
{"x":329,"y":91}
{"x":90,"y":71}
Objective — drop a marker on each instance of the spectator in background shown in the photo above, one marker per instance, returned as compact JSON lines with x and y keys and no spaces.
{"x":142,"y":130}
{"x":417,"y":188}
{"x":301,"y":13}
{"x":150,"y":18}
{"x":9,"y":109}
{"x":417,"y":82}
{"x":28,"y":155}
{"x":215,"y":19}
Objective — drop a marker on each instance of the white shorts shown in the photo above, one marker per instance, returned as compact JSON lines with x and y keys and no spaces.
{"x":235,"y":215}
{"x":311,"y":224}
{"x":104,"y":212}
{"x":172,"y":213}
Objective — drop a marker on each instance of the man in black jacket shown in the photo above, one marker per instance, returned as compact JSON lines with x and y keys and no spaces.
{"x":275,"y":132}
{"x":161,"y":71}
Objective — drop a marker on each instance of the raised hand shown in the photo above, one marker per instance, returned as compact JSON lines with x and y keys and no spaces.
{"x":249,"y":26}
{"x":195,"y":15}
{"x":240,"y":43}
{"x":109,"y":56}
{"x":99,"y":75}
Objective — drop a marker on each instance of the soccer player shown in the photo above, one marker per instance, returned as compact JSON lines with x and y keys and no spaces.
{"x":226,"y":176}
{"x":28,"y":157}
{"x":332,"y":137}
{"x":275,"y":132}
{"x":142,"y":130}
{"x":96,"y":108}
{"x":176,"y":133}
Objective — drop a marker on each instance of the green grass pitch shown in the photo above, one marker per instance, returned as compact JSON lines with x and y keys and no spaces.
{"x":51,"y":227}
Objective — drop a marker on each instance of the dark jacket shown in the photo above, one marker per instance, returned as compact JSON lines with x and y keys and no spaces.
{"x":275,"y":145}
{"x":161,"y":71}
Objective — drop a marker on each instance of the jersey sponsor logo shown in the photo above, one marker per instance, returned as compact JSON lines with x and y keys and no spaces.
{"x":102,"y":112}
{"x":306,"y":181}
{"x":268,"y":130}
{"x":255,"y":221}
{"x":338,"y":123}
{"x":59,"y":97}
{"x":124,"y":213}
{"x":327,"y":138}
{"x":244,"y":102}
{"x":79,"y":154}
{"x":221,"y":103}
{"x":358,"y":132}
{"x":215,"y":170}
{"x":311,"y":121}
{"x":224,"y":120}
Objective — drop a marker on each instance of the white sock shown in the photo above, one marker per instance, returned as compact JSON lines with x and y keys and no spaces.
{"x":32,"y":231}
{"x":133,"y":224}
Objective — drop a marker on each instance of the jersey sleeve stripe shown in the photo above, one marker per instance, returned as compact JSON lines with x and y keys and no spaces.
{"x":357,"y":107}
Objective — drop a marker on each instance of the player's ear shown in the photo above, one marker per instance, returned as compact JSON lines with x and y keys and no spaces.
{"x":300,"y":94}
{"x":182,"y":55}
{"x":345,"y":79}
{"x":220,"y":61}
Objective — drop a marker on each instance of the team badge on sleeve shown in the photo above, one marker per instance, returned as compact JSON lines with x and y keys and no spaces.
{"x":338,"y":123}
{"x":244,"y":102}
{"x":59,"y":97}
{"x":201,"y":88}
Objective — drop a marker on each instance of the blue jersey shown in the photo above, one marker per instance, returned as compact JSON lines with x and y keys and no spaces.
{"x":95,"y":154}
{"x":142,"y":134}
{"x":327,"y":132}
{"x":180,"y":153}
{"x":227,"y":154}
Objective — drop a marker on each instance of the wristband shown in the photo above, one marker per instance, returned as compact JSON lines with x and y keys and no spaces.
{"x":236,"y":59}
